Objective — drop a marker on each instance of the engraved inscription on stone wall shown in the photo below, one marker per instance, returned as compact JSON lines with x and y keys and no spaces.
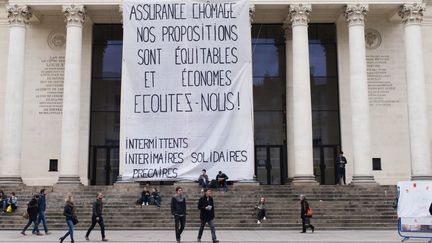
{"x":380,"y":85}
{"x":49,"y":92}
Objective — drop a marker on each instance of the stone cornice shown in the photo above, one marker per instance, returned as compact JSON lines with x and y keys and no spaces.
{"x":74,"y":14}
{"x":355,"y":14}
{"x":18,"y":15}
{"x":300,"y":14}
{"x":412,"y":13}
{"x":268,"y":2}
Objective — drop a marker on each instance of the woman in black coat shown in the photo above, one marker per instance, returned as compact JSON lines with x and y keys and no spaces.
{"x":32,"y":211}
{"x":71,"y":218}
{"x":303,"y":215}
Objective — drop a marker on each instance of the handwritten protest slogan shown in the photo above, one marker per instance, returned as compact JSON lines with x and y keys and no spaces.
{"x":186,"y":90}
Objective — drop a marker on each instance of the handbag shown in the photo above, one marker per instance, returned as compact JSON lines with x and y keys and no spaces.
{"x":75,"y":220}
{"x":309,"y":213}
{"x":25,"y":215}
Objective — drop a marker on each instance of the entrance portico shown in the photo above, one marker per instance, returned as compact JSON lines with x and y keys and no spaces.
{"x":356,"y":117}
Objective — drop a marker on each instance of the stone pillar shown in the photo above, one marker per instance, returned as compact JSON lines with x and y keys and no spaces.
{"x":289,"y":97}
{"x":120,"y":178}
{"x":412,"y":16}
{"x":362,"y":162}
{"x":69,"y":160}
{"x":12,"y":125}
{"x":301,"y":95}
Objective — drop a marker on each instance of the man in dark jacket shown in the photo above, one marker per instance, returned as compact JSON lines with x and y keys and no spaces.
{"x":97,"y":217}
{"x":42,"y":209}
{"x":178,"y":210}
{"x":222,"y":180}
{"x":206,"y":207}
{"x":340,"y":168}
{"x":32,"y":211}
{"x":303,"y":214}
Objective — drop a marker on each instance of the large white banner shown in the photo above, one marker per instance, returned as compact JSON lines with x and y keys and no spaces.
{"x":186,"y":98}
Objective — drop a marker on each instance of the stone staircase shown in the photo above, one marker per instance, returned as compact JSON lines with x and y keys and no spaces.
{"x":335,"y":207}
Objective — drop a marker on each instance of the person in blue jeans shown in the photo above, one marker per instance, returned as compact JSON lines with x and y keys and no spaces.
{"x":3,"y":201}
{"x":32,"y":211}
{"x":41,"y":213}
{"x":71,"y":219}
{"x":156,"y":197}
{"x":222,"y":180}
{"x":145,"y":196}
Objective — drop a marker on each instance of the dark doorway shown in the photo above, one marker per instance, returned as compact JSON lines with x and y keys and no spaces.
{"x":105,"y":163}
{"x":270,"y":164}
{"x":325,"y":100}
{"x":268,"y":54}
{"x":325,"y":164}
{"x":105,"y":104}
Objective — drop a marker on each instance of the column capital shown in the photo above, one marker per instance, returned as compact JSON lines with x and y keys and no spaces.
{"x":299,"y":14}
{"x":121,"y":12}
{"x":412,"y":13}
{"x":356,"y":13}
{"x":19,"y":14}
{"x":287,"y":28}
{"x":74,"y":14}
{"x":251,"y":13}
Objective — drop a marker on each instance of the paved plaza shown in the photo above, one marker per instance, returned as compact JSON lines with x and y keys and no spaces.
{"x":234,"y":236}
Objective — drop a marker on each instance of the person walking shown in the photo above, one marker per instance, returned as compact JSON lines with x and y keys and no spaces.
{"x":69,"y":212}
{"x":304,"y":215}
{"x":261,"y":210}
{"x":97,"y":209}
{"x":340,"y":168}
{"x":207,"y":215}
{"x":32,"y":211}
{"x":178,"y":210}
{"x":41,"y":211}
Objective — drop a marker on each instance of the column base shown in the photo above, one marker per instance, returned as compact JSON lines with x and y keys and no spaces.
{"x":69,"y":180}
{"x":120,"y":179}
{"x":10,"y":180}
{"x":304,"y":179}
{"x":421,"y":178}
{"x":68,"y":184}
{"x":246,"y":183}
{"x":363,"y":180}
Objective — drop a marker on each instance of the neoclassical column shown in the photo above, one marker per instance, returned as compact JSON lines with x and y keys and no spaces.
{"x":12,"y":124}
{"x":69,"y":160}
{"x":289,"y":96}
{"x":412,"y":16}
{"x":301,"y":95}
{"x":362,"y":161}
{"x":122,"y":147}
